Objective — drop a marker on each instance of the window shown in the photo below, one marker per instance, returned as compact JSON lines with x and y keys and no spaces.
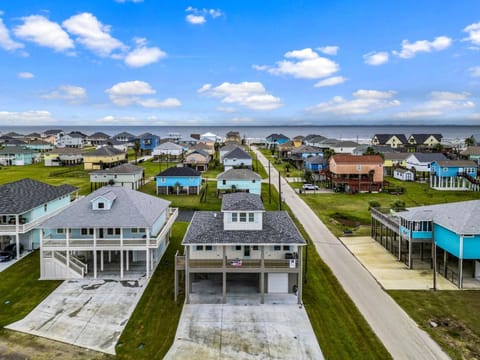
{"x":162,"y":179}
{"x":224,"y":182}
{"x":286,"y":247}
{"x":255,"y":247}
{"x":238,"y":247}
{"x":134,"y":230}
{"x":117,"y":231}
{"x":234,"y":217}
{"x":101,"y":205}
{"x":445,"y":169}
{"x":109,"y":231}
{"x":277,"y":247}
{"x":208,"y":247}
{"x":253,"y":181}
{"x":60,"y":231}
{"x":199,"y":248}
{"x":141,"y":230}
{"x":243,"y":217}
{"x":251,"y":217}
{"x":84,"y":231}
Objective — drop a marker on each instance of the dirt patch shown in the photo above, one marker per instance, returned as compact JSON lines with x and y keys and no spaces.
{"x":346,"y":221}
{"x":14,"y":345}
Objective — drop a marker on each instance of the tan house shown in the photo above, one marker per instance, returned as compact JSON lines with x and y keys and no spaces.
{"x":197,"y":159}
{"x":356,"y":173}
{"x":103,"y":158}
{"x":392,"y":140}
{"x":424,"y":141}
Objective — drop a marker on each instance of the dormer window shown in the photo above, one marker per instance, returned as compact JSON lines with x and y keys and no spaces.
{"x":101,"y":205}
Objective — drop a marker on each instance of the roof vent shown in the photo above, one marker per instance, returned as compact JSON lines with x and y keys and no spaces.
{"x":214,"y":215}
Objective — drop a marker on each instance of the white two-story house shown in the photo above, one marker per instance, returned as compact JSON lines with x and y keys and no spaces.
{"x":243,"y":239}
{"x":114,"y":231}
{"x":23,"y":205}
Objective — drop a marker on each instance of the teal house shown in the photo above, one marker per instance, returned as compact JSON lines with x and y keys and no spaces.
{"x":453,"y":230}
{"x":179,"y":180}
{"x":24,"y":204}
{"x":454,"y":175}
{"x":18,"y":155}
{"x":239,"y":180}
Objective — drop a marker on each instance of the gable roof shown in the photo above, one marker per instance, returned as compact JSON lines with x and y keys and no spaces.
{"x":124,"y":134}
{"x":39,"y":142}
{"x":99,"y":135}
{"x":67,"y":151}
{"x":456,"y":163}
{"x":383,"y":138}
{"x":429,"y":157}
{"x":168,"y":146}
{"x":105,"y":151}
{"x":307,"y":149}
{"x":421,"y":138}
{"x":52,"y":132}
{"x":147,"y":135}
{"x":130,"y":209}
{"x":461,"y":217}
{"x":276,"y":137}
{"x":23,"y":195}
{"x":16,"y":150}
{"x":121,"y":169}
{"x":395,"y":156}
{"x":229,"y":147}
{"x":242,"y":201}
{"x":237,"y":153}
{"x":471,"y":150}
{"x":316,"y":160}
{"x":179,"y":171}
{"x":357,"y":159}
{"x":200,"y":152}
{"x":239,"y":174}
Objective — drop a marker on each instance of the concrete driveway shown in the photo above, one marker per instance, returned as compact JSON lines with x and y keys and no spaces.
{"x":86,"y":313}
{"x":208,"y":331}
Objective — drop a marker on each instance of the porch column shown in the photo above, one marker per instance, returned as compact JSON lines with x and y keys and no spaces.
{"x":94,"y":253}
{"x":262,"y":275}
{"x":147,"y":258}
{"x":445,"y":262}
{"x":300,"y":276}
{"x":410,"y":254}
{"x":224,"y":287}
{"x":400,"y":248}
{"x":460,"y":264}
{"x":127,"y":260}
{"x":41,"y":254}
{"x":187,"y":275}
{"x":121,"y":253}
{"x":17,"y":235}
{"x":109,"y":256}
{"x":101,"y":260}
{"x":67,"y":238}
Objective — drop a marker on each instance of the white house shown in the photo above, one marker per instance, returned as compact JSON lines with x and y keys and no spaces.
{"x":63,"y":140}
{"x":237,"y":158}
{"x":403,"y":174}
{"x":113,"y":231}
{"x":169,"y":149}
{"x":127,"y":175}
{"x":420,"y":162}
{"x":224,"y":150}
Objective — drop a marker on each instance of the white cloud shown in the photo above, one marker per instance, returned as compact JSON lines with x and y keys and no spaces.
{"x":43,"y":32}
{"x":376,"y":58}
{"x":92,"y":34}
{"x":6,"y":41}
{"x":199,"y":16}
{"x":260,"y":67}
{"x":143,"y":55}
{"x":33,"y":117}
{"x":133,"y":92}
{"x":409,"y":50}
{"x":195,"y":19}
{"x":309,"y":65}
{"x":227,"y":109}
{"x":473,"y":31}
{"x":363,"y":102}
{"x":331,"y":81}
{"x":440,"y":103}
{"x":328,"y":50}
{"x":251,"y":95}
{"x":25,"y":75}
{"x":474,"y":71}
{"x":114,"y":120}
{"x":125,"y":1}
{"x":73,"y":94}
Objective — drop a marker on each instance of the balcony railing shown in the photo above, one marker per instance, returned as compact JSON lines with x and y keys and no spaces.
{"x":237,"y":263}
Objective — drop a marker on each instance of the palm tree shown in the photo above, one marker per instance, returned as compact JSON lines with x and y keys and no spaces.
{"x":470,"y":141}
{"x":136,"y":149}
{"x":328,"y":153}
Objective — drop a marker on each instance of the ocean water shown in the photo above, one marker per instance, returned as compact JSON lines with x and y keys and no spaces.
{"x":362,"y":134}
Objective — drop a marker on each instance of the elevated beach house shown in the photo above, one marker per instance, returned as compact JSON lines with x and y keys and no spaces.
{"x":239,"y":180}
{"x":114,"y":231}
{"x":63,"y":157}
{"x":237,"y":158}
{"x":127,"y":175}
{"x":18,"y":156}
{"x":454,"y":175}
{"x":104,"y":157}
{"x":23,"y":205}
{"x":179,"y":180}
{"x":168,"y":150}
{"x":242,"y":240}
{"x":197,"y":159}
{"x":392,"y":140}
{"x":148,"y":142}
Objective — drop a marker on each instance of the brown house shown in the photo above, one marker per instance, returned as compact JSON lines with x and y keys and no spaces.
{"x":356,"y":173}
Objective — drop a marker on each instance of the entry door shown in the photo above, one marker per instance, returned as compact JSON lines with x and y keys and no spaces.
{"x":278,"y":283}
{"x":246,"y":251}
{"x":100,"y":233}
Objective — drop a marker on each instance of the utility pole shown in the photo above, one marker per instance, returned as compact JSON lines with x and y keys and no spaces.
{"x":269,"y":185}
{"x":279,"y":192}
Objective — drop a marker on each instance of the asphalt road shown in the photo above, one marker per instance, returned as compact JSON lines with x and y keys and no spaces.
{"x":399,"y":333}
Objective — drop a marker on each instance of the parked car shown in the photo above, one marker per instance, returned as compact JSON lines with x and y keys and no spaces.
{"x":12,"y":249}
{"x":5,"y":256}
{"x":310,"y":187}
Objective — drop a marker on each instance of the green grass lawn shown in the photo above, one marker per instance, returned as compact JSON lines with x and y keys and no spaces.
{"x":20,"y":289}
{"x":339,"y":211}
{"x":155,"y":319}
{"x":281,"y":165}
{"x":455,"y":312}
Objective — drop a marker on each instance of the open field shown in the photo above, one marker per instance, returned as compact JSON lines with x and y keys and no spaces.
{"x":455,"y":313}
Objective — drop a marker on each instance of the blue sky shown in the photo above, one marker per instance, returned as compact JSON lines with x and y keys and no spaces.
{"x":173,"y":62}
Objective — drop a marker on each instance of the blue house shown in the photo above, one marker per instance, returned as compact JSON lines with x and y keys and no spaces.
{"x":454,"y":175}
{"x":239,"y":180}
{"x":148,"y":142}
{"x":23,"y":205}
{"x":18,"y":155}
{"x":316,"y":164}
{"x":453,"y":230}
{"x":275,"y":139}
{"x":179,"y":180}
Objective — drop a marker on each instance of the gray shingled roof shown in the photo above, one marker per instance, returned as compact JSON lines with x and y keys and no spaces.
{"x":104,"y":151}
{"x":130,"y":209}
{"x":429,"y":157}
{"x":179,"y":171}
{"x":278,"y":228}
{"x":23,"y":195}
{"x":316,"y":160}
{"x":396,"y":156}
{"x":169,"y":146}
{"x":460,"y":217}
{"x":237,"y":153}
{"x":242,"y":201}
{"x":121,"y":169}
{"x":456,"y":163}
{"x":383,"y":138}
{"x":16,"y":150}
{"x":239,"y":174}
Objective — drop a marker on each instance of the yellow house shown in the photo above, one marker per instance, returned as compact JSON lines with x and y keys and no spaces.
{"x":392,"y":160}
{"x":104,"y":157}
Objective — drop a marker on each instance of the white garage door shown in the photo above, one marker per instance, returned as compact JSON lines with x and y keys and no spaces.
{"x":277,"y":283}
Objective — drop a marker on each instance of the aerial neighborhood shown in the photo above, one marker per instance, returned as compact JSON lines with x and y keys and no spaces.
{"x":220,"y":219}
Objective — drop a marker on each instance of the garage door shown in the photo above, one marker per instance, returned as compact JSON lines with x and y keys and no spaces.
{"x":278,"y":283}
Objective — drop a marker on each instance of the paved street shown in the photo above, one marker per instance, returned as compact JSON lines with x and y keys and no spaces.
{"x":398,"y":332}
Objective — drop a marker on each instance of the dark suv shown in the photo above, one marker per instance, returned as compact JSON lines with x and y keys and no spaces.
{"x":12,"y":249}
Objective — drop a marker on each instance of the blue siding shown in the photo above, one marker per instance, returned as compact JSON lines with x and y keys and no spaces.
{"x":52,"y":206}
{"x":471,"y":247}
{"x":157,"y":226}
{"x":182,"y":180}
{"x":421,"y":234}
{"x":447,"y":240}
{"x":451,"y":171}
{"x":149,"y":143}
{"x":252,"y":187}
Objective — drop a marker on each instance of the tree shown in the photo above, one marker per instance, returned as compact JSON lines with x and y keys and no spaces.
{"x":470,"y":141}
{"x":328,"y":153}
{"x":308,"y":176}
{"x":136,"y":149}
{"x":438,"y":147}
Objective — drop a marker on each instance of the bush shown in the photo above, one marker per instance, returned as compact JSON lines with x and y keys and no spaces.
{"x":373,"y":204}
{"x":398,"y":205}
